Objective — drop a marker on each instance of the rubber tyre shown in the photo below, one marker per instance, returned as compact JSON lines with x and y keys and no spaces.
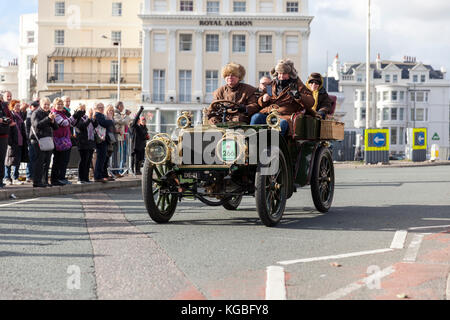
{"x":270,"y":202}
{"x":322,"y":180}
{"x":159,"y":207}
{"x":233,"y":203}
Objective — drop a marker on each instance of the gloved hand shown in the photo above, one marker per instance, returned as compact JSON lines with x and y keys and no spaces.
{"x":242,"y":108}
{"x":78,"y":114}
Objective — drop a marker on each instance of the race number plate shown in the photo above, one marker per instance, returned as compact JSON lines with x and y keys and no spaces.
{"x":229,"y":150}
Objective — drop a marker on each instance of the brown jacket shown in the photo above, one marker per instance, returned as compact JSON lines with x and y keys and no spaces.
{"x":242,"y":94}
{"x":287,"y":104}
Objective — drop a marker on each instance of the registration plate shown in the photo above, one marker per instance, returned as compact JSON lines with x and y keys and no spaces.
{"x":190,"y":175}
{"x":229,"y":150}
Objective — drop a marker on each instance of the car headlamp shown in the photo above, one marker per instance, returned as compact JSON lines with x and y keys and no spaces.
{"x":273,"y":120}
{"x":157,"y":151}
{"x":185,"y":120}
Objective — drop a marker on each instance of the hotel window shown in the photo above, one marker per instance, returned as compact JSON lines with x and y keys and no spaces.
{"x":363,"y":96}
{"x":59,"y":70}
{"x":266,"y":6}
{"x":114,"y":71}
{"x":402,"y":95}
{"x":422,"y":78}
{"x":415,"y":78}
{"x":238,"y":43}
{"x":265,"y":44}
{"x":60,"y":8}
{"x":402,"y":114}
{"x":212,"y":81}
{"x":356,"y":97}
{"x":160,"y":6}
{"x":185,"y":42}
{"x":30,"y":36}
{"x":212,"y":6}
{"x":359,"y":77}
{"x":394,"y":114}
{"x":117,"y":9}
{"x":291,"y":44}
{"x":212,"y":43}
{"x":159,"y":81}
{"x":159,"y":42}
{"x":387,"y":78}
{"x":401,"y":135}
{"x":363,"y":113}
{"x":385,"y":95}
{"x":292,"y":6}
{"x":394,"y":135}
{"x":187,"y":6}
{"x":394,"y":95}
{"x":116,"y":36}
{"x":238,"y":6}
{"x":395,"y":78}
{"x":420,"y":114}
{"x":385,"y":114}
{"x":59,"y":37}
{"x":378,"y":114}
{"x":185,"y":85}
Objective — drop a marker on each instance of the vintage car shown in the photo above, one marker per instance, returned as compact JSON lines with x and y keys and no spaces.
{"x":220,"y":164}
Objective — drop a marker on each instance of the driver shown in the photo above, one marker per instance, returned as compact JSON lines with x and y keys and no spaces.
{"x":289,"y":95}
{"x":236,"y":91}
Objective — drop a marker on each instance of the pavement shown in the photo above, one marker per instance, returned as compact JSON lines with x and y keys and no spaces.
{"x":27,"y":191}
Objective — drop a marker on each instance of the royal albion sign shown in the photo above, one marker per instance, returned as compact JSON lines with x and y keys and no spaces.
{"x":226,"y":23}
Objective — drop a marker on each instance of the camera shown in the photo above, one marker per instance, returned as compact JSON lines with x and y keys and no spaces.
{"x":6,"y":120}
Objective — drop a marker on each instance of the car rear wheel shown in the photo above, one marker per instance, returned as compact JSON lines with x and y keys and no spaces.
{"x":271,"y":190}
{"x":160,"y":204}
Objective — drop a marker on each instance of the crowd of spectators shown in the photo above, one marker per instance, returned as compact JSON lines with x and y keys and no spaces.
{"x":43,"y":135}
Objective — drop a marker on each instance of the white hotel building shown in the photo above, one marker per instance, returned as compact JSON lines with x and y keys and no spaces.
{"x":186,"y":44}
{"x":404,"y":94}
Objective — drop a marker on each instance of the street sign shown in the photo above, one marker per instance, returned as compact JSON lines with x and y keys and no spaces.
{"x":436,"y":137}
{"x":420,"y":139}
{"x":377,"y":140}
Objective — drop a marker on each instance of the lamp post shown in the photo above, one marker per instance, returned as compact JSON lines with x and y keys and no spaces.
{"x":119,"y":45}
{"x":368,"y":100}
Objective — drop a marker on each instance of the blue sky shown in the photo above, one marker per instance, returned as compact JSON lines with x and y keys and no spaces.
{"x":400,"y":27}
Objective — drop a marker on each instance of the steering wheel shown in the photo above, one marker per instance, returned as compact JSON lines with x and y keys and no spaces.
{"x":230,"y":106}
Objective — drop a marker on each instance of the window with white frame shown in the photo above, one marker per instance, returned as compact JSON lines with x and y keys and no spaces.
{"x":160,"y":6}
{"x":186,"y":6}
{"x":212,"y":81}
{"x":363,"y":96}
{"x":394,"y":113}
{"x":418,"y":114}
{"x":238,"y":43}
{"x":212,"y":43}
{"x":393,"y":135}
{"x":239,"y":6}
{"x":292,"y":45}
{"x":114,"y":71}
{"x":385,"y":95}
{"x":159,"y":84}
{"x":59,"y":70}
{"x":116,"y":36}
{"x":185,"y":42}
{"x":363,"y":113}
{"x":402,"y":114}
{"x":387,"y":78}
{"x":292,"y":6}
{"x":422,"y":78}
{"x":59,"y":37}
{"x":394,"y":78}
{"x":265,"y":44}
{"x":184,"y":85}
{"x":415,"y":78}
{"x":212,"y":7}
{"x":401,"y":136}
{"x":159,"y":42}
{"x":359,"y":77}
{"x":385,"y":114}
{"x":402,"y":95}
{"x":394,"y":95}
{"x":266,"y":6}
{"x":117,"y":9}
{"x":356,"y":97}
{"x":60,"y":8}
{"x":378,"y":114}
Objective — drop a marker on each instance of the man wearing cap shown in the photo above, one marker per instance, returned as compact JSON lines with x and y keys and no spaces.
{"x":289,"y":95}
{"x":322,"y":102}
{"x":236,"y":91}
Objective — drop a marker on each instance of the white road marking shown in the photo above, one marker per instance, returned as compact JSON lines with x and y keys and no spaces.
{"x":339,"y":256}
{"x":413,"y":249}
{"x":399,"y":239}
{"x":17,"y":202}
{"x":275,"y":285}
{"x":430,"y":227}
{"x":447,"y":291}
{"x":340,"y":293}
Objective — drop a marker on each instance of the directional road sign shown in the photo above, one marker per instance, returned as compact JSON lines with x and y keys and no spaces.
{"x":420,"y":138}
{"x":377,"y":140}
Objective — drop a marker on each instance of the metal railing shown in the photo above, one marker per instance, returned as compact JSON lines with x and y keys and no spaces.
{"x":100,"y":78}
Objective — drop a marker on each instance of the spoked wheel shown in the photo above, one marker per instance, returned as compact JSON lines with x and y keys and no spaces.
{"x":322,"y":180}
{"x":160,"y":205}
{"x":271,"y":191}
{"x":233,"y":203}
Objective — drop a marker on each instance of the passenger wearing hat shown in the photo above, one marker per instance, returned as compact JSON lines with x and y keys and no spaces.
{"x":139,"y":137}
{"x":236,"y":91}
{"x":289,"y":95}
{"x":323,"y":104}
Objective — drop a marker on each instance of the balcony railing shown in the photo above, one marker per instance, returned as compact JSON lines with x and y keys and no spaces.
{"x":92,"y":78}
